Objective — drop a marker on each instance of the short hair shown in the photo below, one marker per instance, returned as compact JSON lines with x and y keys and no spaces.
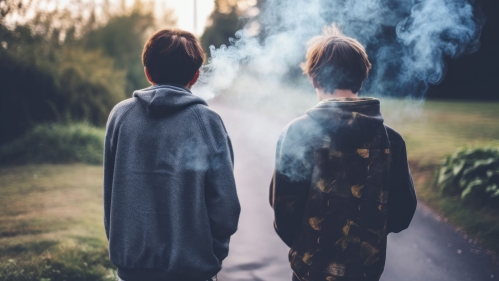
{"x":335,"y":61}
{"x":172,"y":56}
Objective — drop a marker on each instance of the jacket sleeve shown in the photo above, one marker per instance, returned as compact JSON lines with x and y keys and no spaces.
{"x":221,"y":198}
{"x":109,"y":156}
{"x":401,"y":195}
{"x":289,"y":190}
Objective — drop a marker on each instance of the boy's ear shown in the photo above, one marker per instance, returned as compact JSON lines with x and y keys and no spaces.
{"x":194,"y":79}
{"x":146,"y":72}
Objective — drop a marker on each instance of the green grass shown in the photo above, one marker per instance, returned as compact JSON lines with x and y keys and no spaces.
{"x":437,"y":128}
{"x":51,"y":224}
{"x":56,"y":143}
{"x":478,"y":221}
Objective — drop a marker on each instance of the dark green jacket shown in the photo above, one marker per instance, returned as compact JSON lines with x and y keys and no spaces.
{"x":342,"y":183}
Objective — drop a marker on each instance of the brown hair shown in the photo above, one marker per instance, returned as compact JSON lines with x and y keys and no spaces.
{"x":335,"y":61}
{"x":172,"y":56}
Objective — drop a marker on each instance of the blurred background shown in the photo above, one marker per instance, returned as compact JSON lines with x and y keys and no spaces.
{"x":64,"y":64}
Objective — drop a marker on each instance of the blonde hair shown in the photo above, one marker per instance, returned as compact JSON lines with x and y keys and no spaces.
{"x":335,"y":61}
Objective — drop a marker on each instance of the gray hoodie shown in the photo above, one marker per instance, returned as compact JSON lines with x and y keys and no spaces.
{"x":170,"y":200}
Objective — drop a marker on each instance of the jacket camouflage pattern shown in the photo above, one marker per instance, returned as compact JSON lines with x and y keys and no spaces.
{"x":330,"y":191}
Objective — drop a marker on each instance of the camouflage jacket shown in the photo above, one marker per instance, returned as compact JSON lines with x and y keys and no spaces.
{"x":341,"y":184}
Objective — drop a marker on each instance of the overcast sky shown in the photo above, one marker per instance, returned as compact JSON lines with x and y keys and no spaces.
{"x":184,"y":11}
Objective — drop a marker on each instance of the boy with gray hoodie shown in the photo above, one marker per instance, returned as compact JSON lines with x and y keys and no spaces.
{"x":170,"y":201}
{"x":342,"y":181}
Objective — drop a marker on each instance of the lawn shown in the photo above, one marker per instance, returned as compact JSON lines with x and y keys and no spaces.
{"x":436,"y":128}
{"x":51,"y":222}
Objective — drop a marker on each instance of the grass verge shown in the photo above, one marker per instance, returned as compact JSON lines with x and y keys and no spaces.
{"x":51,"y":224}
{"x":478,"y":221}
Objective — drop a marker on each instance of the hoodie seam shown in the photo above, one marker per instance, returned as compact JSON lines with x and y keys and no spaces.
{"x":203,"y":129}
{"x":119,"y":119}
{"x":351,"y":107}
{"x":167,"y":86}
{"x":307,"y":139}
{"x":219,"y":144}
{"x":346,"y":104}
{"x":125,"y":112}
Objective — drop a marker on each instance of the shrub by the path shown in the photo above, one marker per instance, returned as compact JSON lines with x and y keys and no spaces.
{"x":56,"y":143}
{"x":473,"y":174}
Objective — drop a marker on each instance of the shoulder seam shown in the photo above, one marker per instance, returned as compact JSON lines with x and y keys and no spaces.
{"x":301,"y":141}
{"x":120,"y":118}
{"x":399,"y":139}
{"x":221,"y":141}
{"x":125,"y":112}
{"x":200,"y":124}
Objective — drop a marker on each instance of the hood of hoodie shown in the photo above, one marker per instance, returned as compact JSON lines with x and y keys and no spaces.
{"x":163,"y":100}
{"x":354,"y":121}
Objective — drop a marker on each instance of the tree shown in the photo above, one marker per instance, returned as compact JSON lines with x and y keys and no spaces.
{"x":122,"y":39}
{"x":45,"y":81}
{"x":62,"y":67}
{"x":222,"y":25}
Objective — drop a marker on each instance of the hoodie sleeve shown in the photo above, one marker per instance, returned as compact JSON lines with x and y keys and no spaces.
{"x":110,"y":142}
{"x":109,"y":156}
{"x":221,"y":198}
{"x":401,"y":195}
{"x":289,"y":188}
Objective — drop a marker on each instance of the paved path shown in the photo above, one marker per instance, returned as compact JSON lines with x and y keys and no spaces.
{"x":430,"y":250}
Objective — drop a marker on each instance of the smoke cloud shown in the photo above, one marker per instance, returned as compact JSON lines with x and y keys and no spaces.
{"x":406,"y":40}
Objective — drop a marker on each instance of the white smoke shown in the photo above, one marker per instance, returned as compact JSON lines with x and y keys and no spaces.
{"x":436,"y":28}
{"x":406,"y":40}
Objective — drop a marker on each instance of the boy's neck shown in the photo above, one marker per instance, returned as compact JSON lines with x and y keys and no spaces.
{"x":336,"y":94}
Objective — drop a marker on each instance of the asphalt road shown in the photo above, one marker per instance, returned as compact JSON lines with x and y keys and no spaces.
{"x":430,"y":250}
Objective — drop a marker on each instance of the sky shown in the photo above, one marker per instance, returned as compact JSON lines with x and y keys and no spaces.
{"x":184,"y":11}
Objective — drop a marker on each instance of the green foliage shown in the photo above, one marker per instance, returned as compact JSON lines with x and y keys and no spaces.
{"x":55,"y":143}
{"x":473,"y":173}
{"x":122,"y":38}
{"x":224,"y":25}
{"x":67,"y":66}
{"x":46,"y":82}
{"x":76,"y":263}
{"x":9,"y":6}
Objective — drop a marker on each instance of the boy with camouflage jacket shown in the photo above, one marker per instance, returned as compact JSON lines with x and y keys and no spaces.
{"x":342,"y":181}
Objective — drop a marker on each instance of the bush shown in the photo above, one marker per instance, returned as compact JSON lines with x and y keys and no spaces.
{"x":59,"y":84}
{"x":122,"y":39}
{"x":472,"y":173}
{"x":63,"y":66}
{"x":56,"y":143}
